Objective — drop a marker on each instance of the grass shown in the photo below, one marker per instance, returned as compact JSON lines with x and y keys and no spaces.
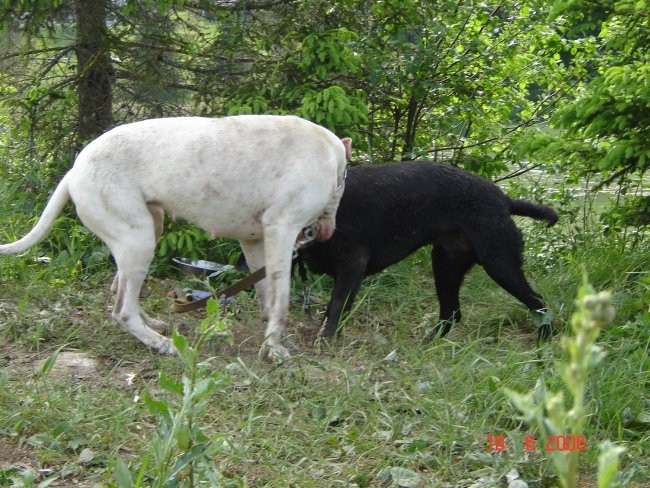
{"x":377,"y":408}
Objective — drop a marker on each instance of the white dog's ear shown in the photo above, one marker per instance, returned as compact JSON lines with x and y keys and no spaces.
{"x":347,"y":142}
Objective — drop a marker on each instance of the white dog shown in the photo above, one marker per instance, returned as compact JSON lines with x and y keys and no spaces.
{"x":257,"y":178}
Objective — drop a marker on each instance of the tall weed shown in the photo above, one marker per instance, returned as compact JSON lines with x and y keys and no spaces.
{"x":180,"y":453}
{"x":593,"y":312}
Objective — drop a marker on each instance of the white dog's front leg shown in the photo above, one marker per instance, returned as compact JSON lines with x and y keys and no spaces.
{"x":278,"y":250}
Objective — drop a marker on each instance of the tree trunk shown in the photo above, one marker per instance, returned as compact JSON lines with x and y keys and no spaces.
{"x":94,"y":70}
{"x":413,"y":117}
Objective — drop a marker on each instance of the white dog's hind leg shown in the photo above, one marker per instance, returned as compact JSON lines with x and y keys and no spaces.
{"x":132,"y":264}
{"x":158,"y":216}
{"x":129,"y":231}
{"x":115,"y":285}
{"x":155,"y":324}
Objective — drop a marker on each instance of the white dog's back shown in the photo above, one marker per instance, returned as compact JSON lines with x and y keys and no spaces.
{"x":216,"y":173}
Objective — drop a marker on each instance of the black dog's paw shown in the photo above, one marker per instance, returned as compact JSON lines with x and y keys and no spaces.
{"x":439,"y":330}
{"x":543,"y":319}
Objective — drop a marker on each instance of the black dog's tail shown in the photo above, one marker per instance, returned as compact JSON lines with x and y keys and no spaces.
{"x":533,"y":210}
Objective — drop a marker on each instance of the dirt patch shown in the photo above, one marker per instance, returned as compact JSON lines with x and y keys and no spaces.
{"x":19,"y":464}
{"x":11,"y":455}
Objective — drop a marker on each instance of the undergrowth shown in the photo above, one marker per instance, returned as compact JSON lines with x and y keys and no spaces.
{"x":379,"y":407}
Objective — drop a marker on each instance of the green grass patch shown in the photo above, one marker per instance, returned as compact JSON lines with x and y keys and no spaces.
{"x":377,"y":406}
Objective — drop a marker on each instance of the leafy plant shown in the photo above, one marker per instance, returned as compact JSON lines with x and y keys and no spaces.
{"x":181,"y":454}
{"x":334,"y":108}
{"x":605,"y":129}
{"x":635,"y":213}
{"x":183,"y":240}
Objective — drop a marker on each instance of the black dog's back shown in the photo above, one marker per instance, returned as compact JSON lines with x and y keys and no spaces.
{"x":393,"y":209}
{"x":389,"y":211}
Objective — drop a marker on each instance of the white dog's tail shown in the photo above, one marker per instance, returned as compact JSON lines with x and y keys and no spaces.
{"x":52,"y":210}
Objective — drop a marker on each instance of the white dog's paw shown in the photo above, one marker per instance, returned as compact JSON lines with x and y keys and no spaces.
{"x":166,"y":346}
{"x":274,"y":353}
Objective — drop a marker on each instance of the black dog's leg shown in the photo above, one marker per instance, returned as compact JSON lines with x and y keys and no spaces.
{"x":504,"y":265}
{"x":515,"y":283}
{"x":449,"y":269}
{"x":349,"y":274}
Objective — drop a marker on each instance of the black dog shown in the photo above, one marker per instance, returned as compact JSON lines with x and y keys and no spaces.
{"x":389,"y":211}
